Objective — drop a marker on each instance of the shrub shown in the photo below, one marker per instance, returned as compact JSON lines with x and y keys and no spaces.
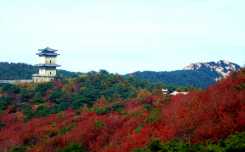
{"x":9,"y":88}
{"x":38,"y":98}
{"x":66,"y":129}
{"x":43,"y":87}
{"x":62,"y":106}
{"x":73,"y":148}
{"x":56,"y":96}
{"x":154,"y":116}
{"x":2,"y":124}
{"x":118,"y":107}
{"x":235,"y":143}
{"x":240,"y":86}
{"x":139,"y":128}
{"x":4,"y":102}
{"x":148,"y":106}
{"x":19,"y":149}
{"x":27,"y":111}
{"x":102,"y":111}
{"x":99,"y":124}
{"x":76,"y":104}
{"x":41,"y":111}
{"x":173,"y":146}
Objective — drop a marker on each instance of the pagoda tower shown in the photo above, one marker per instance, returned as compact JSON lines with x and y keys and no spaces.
{"x":47,"y":65}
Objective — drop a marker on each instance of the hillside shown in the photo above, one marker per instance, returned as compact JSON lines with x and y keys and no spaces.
{"x":70,"y":93}
{"x":137,"y":119}
{"x":200,"y":75}
{"x":21,"y":71}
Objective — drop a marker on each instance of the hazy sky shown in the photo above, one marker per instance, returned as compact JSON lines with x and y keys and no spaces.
{"x":123,"y":35}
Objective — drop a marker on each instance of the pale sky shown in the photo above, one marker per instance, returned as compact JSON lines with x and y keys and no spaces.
{"x":123,"y":36}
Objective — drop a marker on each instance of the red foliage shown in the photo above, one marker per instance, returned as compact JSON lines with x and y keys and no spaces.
{"x":196,"y":117}
{"x":211,"y":114}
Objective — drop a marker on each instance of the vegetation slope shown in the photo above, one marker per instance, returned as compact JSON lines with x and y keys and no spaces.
{"x":108,"y":113}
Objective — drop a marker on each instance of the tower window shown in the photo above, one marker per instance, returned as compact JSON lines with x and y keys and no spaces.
{"x":50,"y":61}
{"x":50,"y":73}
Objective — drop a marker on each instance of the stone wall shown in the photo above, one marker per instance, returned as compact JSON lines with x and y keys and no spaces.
{"x":15,"y":81}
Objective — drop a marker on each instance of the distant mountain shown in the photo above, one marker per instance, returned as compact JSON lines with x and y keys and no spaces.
{"x":18,"y":71}
{"x":199,"y":75}
{"x":222,"y":68}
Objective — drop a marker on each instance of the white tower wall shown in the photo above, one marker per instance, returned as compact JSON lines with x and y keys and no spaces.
{"x":47,"y":72}
{"x":47,"y":60}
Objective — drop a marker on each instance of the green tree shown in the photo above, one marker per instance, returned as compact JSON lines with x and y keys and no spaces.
{"x":4,"y":102}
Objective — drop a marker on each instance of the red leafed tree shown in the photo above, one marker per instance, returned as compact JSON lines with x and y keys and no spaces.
{"x":211,"y":114}
{"x":201,"y":115}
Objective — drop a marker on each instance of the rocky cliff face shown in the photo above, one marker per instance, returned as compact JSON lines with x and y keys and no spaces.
{"x":222,"y":68}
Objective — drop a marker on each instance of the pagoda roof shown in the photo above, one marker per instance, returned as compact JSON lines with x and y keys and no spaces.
{"x":47,"y":65}
{"x":47,"y":52}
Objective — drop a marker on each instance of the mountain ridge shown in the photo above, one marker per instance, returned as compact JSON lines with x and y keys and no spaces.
{"x":200,"y":75}
{"x":222,"y":67}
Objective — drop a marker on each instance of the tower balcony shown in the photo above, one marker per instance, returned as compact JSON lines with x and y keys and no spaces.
{"x":48,"y":65}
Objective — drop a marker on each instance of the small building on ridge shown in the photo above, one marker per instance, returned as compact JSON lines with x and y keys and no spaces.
{"x":47,"y":65}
